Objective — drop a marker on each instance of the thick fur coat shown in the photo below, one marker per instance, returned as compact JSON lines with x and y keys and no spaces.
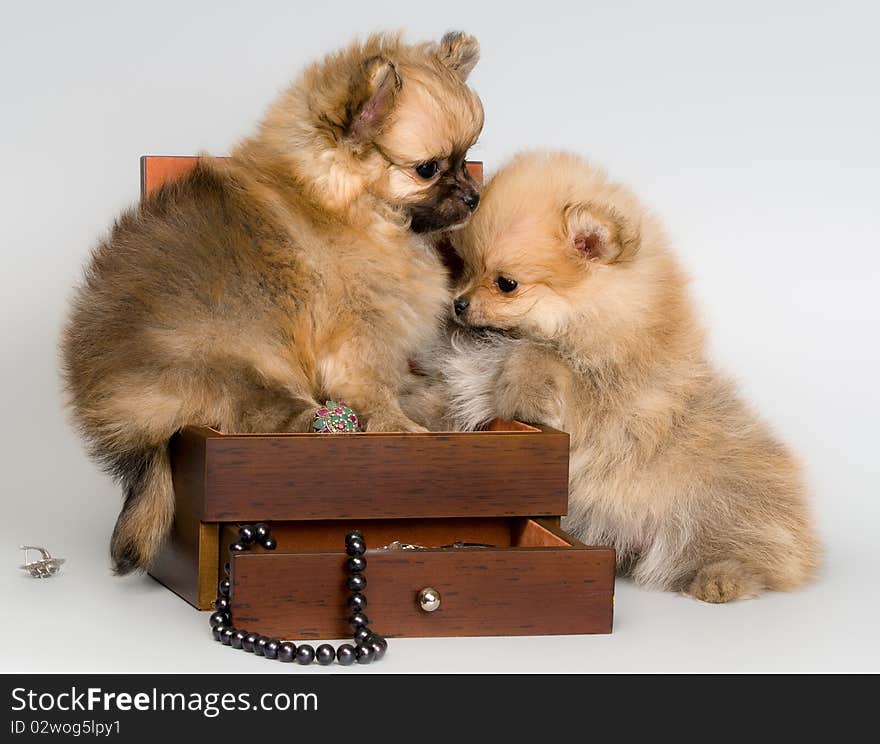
{"x":299,"y":269}
{"x":573,"y":312}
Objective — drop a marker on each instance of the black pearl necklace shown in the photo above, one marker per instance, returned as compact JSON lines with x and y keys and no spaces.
{"x":367,"y":646}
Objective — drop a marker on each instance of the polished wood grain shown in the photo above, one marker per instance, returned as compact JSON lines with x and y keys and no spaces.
{"x":542,"y":583}
{"x":157,"y":170}
{"x":513,"y":469}
{"x":383,"y":475}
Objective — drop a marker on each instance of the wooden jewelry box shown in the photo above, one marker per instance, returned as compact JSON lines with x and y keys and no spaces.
{"x":504,"y":487}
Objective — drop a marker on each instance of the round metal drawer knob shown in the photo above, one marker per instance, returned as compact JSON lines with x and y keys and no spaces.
{"x":429,"y":599}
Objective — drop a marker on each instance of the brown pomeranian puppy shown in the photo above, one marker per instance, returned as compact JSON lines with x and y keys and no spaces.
{"x":584,"y":324}
{"x":300,"y":269}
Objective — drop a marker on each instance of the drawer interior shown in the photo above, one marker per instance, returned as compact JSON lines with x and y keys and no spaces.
{"x":329,"y":536}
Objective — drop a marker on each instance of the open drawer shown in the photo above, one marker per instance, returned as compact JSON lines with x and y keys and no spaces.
{"x":534,"y":580}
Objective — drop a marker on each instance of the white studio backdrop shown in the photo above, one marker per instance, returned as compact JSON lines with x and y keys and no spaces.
{"x":753,"y":128}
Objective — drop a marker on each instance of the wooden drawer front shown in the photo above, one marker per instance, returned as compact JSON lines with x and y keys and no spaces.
{"x":539,"y":581}
{"x":522,"y":471}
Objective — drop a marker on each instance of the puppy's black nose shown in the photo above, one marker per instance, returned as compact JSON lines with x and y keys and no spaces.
{"x":460,"y":304}
{"x":471,"y":199}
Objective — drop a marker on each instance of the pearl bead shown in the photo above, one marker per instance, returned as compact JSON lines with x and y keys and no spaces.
{"x":286,"y":651}
{"x":353,"y":535}
{"x":368,"y":646}
{"x":355,"y":546}
{"x":305,"y":654}
{"x":249,"y":642}
{"x":345,"y":654}
{"x":358,"y":619}
{"x":357,"y":602}
{"x":325,"y":654}
{"x":260,"y":645}
{"x":363,"y":654}
{"x":379,"y":646}
{"x":270,"y":650}
{"x":362,"y":633}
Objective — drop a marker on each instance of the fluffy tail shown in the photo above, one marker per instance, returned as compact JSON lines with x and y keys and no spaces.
{"x":146,"y":516}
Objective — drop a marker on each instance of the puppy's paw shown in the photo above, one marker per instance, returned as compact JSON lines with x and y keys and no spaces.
{"x":426,"y":405}
{"x":389,"y":422}
{"x":725,"y":581}
{"x":529,"y":387}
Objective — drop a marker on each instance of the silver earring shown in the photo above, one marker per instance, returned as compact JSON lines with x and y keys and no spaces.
{"x":42,"y":568}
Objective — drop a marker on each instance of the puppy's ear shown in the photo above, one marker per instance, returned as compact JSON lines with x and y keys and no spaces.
{"x":459,"y":52}
{"x":599,"y":233}
{"x":373,"y":99}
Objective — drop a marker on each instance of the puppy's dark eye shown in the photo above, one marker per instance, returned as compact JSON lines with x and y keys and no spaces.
{"x":427,"y":170}
{"x":506,"y":285}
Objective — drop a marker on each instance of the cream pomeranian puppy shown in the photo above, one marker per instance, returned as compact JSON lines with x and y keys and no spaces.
{"x":573,"y":312}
